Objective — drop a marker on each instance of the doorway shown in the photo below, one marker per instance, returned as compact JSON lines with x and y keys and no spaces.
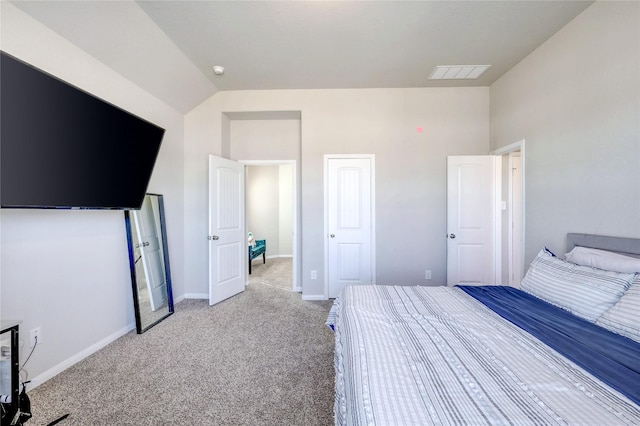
{"x":513,"y":212}
{"x":271,"y":216}
{"x":504,"y":213}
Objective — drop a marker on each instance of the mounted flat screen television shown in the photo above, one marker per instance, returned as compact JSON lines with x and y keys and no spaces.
{"x":61,"y":147}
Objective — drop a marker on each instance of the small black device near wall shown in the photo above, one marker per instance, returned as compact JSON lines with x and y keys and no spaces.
{"x":61,"y":147}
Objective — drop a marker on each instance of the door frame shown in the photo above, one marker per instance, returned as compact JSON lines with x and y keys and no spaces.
{"x":296,"y":211}
{"x":327,"y":157}
{"x":506,"y":150}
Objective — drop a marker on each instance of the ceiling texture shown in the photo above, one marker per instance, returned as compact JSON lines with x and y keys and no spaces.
{"x":169,"y":47}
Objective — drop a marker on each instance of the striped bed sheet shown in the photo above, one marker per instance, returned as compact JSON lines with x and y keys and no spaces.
{"x":434,"y":355}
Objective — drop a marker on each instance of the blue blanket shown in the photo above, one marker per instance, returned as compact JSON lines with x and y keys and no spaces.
{"x":612,"y":358}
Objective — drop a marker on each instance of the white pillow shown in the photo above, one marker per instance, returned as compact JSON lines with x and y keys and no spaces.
{"x":624,"y":317}
{"x":603,"y":259}
{"x":585,"y":291}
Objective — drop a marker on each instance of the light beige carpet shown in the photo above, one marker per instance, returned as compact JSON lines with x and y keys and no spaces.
{"x":276,"y":272}
{"x":263,"y":357}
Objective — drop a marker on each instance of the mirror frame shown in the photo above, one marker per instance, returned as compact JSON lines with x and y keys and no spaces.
{"x":141,"y":328}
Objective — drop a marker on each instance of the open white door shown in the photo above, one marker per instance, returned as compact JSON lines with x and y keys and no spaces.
{"x":349,"y":196}
{"x":473,"y":184}
{"x":147,"y":229}
{"x":227,"y":238}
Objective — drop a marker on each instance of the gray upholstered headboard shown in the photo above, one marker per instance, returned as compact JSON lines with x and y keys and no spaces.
{"x":627,"y":246}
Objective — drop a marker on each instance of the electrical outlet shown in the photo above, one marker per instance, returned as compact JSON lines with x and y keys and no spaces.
{"x":36,"y":333}
{"x":427,"y":274}
{"x":314,"y":275}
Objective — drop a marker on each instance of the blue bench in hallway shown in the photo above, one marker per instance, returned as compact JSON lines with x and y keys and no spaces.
{"x":259,"y":249}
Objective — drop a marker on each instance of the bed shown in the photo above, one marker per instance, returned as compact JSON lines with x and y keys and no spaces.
{"x":563,"y":349}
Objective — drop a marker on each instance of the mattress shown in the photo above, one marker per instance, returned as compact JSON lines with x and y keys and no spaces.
{"x":436,"y":355}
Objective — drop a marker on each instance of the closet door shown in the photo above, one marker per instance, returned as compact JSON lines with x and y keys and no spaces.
{"x":473,"y":185}
{"x":349,"y":222}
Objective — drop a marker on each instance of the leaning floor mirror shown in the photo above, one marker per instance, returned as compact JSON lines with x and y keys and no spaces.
{"x":149,"y":262}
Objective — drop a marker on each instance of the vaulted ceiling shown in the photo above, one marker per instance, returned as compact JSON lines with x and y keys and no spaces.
{"x":170,"y":47}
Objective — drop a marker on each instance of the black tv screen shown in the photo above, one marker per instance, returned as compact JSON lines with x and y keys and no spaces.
{"x":61,"y":147}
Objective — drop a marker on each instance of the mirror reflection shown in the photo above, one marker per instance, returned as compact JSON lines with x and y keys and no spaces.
{"x":149,"y":262}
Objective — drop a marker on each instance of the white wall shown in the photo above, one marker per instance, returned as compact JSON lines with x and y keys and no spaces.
{"x":68,"y":271}
{"x":262,"y":204}
{"x":576,"y":102}
{"x":410,"y":168}
{"x":274,"y":139}
{"x":285,"y":210}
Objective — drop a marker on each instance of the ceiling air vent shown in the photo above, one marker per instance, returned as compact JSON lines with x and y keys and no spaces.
{"x":458,"y":72}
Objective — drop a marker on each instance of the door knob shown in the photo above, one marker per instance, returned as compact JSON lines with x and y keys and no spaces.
{"x":213,"y":237}
{"x":452,"y":236}
{"x":332,"y":235}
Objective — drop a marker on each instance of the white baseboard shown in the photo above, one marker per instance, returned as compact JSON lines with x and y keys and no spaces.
{"x":43,"y":377}
{"x":195,"y":296}
{"x":275,"y":256}
{"x":313,"y":297}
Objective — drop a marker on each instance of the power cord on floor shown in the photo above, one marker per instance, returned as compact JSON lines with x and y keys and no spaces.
{"x":24,"y":399}
{"x":56,"y":421}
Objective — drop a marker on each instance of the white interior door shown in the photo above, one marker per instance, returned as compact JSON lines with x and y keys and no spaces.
{"x":151,"y":253}
{"x":227,"y":238}
{"x":349,"y":222}
{"x":472,"y":230}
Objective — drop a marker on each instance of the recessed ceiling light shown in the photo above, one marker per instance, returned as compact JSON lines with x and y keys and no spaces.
{"x":218,"y":70}
{"x":458,"y":72}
